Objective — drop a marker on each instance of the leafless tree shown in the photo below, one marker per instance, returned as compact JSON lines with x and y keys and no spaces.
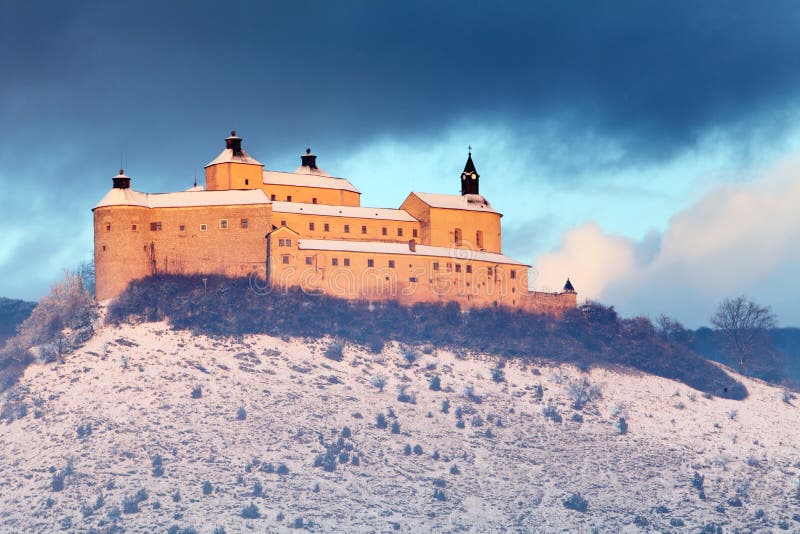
{"x":745,"y":325}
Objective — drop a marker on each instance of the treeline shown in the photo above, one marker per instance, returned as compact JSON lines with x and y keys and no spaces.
{"x":12,"y":313}
{"x":592,"y":334}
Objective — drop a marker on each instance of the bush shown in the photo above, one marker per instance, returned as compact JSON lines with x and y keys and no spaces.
{"x":335,"y":351}
{"x":498,"y":375}
{"x":621,"y":426}
{"x":208,"y":489}
{"x":445,"y":408}
{"x":403,"y":396}
{"x":197,"y":392}
{"x":241,"y":413}
{"x":439,"y":495}
{"x":576,"y":502}
{"x":454,"y":470}
{"x":550,"y":412}
{"x":257,"y":489}
{"x":582,"y":393}
{"x":380,"y":421}
{"x":176,"y":496}
{"x":417,"y":449}
{"x":130,"y":505}
{"x":346,"y":432}
{"x":379,"y":382}
{"x":251,"y":512}
{"x":57,"y":482}
{"x":435,"y":383}
{"x":282,"y":469}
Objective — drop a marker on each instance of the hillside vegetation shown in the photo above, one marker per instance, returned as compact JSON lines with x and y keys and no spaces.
{"x":12,"y":313}
{"x":592,"y":335}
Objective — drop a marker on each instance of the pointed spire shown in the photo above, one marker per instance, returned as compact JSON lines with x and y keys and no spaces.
{"x":568,"y":288}
{"x":469,"y":178}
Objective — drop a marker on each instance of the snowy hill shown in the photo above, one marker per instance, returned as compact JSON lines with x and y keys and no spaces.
{"x":125,"y":414}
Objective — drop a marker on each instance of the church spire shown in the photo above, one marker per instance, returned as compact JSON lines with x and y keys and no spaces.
{"x":469,"y":178}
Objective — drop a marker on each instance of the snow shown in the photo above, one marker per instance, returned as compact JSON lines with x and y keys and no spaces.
{"x":227,"y":156}
{"x":342,"y":211}
{"x":181,"y":199}
{"x":132,"y":385}
{"x":305,"y":169}
{"x":379,"y":247}
{"x":456,"y":202}
{"x":308,"y":180}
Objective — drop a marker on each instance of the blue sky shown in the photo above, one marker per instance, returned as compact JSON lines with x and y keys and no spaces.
{"x":612,"y":136}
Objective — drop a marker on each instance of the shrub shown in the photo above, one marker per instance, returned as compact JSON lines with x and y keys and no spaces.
{"x":582,"y":393}
{"x":57,"y":482}
{"x":550,"y":412}
{"x":403,"y":396}
{"x":395,"y":427}
{"x":460,"y":423}
{"x":439,"y":495}
{"x":445,"y":408}
{"x":355,"y":461}
{"x":417,"y":449}
{"x":251,"y":512}
{"x":407,"y":449}
{"x":197,"y":392}
{"x":379,"y":382}
{"x":257,"y":489}
{"x":435,"y":383}
{"x":241,"y":413}
{"x":469,"y":393}
{"x":335,"y":351}
{"x":130,"y":505}
{"x":410,"y":354}
{"x":577,"y":418}
{"x":380,"y":421}
{"x":298,"y":522}
{"x":346,"y":432}
{"x":176,"y":496}
{"x":621,"y":426}
{"x":208,"y":489}
{"x":84,"y":430}
{"x":576,"y":502}
{"x":454,"y":470}
{"x":282,"y":469}
{"x":219,"y":530}
{"x":498,"y":375}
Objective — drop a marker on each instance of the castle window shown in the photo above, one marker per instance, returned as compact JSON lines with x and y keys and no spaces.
{"x":370,"y":263}
{"x":223,"y":224}
{"x":347,"y":228}
{"x":285,"y":259}
{"x":327,"y":227}
{"x":458,"y":267}
{"x":414,"y":232}
{"x":273,"y":197}
{"x":108,"y":227}
{"x":412,"y":279}
{"x":513,"y":274}
{"x":288,"y":198}
{"x":309,"y":260}
{"x":363,"y":229}
{"x":246,"y":181}
{"x":479,"y":239}
{"x":104,"y":248}
{"x":134,"y":227}
{"x":469,"y":268}
{"x":399,"y":232}
{"x":314,"y":200}
{"x":182,"y":228}
{"x":244,"y":223}
{"x":203,"y":227}
{"x":490,"y":271}
{"x":334,"y":261}
{"x":288,"y":242}
{"x":311,"y":226}
{"x":347,"y":262}
{"x":513,"y":289}
{"x":281,"y":242}
{"x":436,"y":266}
{"x":384,"y":231}
{"x":155,"y":226}
{"x":391,"y":264}
{"x":449,"y":267}
{"x":283,"y":223}
{"x":457,"y":236}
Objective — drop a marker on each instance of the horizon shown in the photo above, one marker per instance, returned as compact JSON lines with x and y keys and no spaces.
{"x":649,"y":154}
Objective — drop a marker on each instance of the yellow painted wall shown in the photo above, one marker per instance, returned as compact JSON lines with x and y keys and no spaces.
{"x":234,"y":176}
{"x":301,"y":223}
{"x":332,"y":197}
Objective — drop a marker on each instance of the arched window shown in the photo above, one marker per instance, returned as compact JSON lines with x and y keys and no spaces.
{"x":479,"y":240}
{"x":457,"y":236}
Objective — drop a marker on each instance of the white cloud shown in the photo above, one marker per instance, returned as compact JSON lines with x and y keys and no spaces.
{"x":737,"y":239}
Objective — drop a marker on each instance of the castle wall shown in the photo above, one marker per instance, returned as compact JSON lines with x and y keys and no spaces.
{"x":121,"y":236}
{"x":233,"y":176}
{"x":396,"y":231}
{"x":307,"y":195}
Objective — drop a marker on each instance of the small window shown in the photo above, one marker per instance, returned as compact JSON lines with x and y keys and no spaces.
{"x":134,"y":227}
{"x":311,"y":226}
{"x":327,"y":227}
{"x":182,"y":228}
{"x":285,"y":258}
{"x":108,"y":227}
{"x":283,"y":223}
{"x":288,"y":242}
{"x":513,"y":274}
{"x":370,"y":263}
{"x":399,"y":232}
{"x":414,"y":232}
{"x":203,"y":227}
{"x":457,"y":236}
{"x":309,"y":260}
{"x":412,"y":279}
{"x":449,"y":267}
{"x":155,"y":226}
{"x":391,"y":264}
{"x":244,"y":223}
{"x":347,"y":262}
{"x":314,"y":200}
{"x":479,"y":239}
{"x":334,"y":261}
{"x":347,"y":228}
{"x":273,"y":197}
{"x":288,"y":198}
{"x":281,"y":242}
{"x":384,"y":231}
{"x":458,"y":268}
{"x":489,"y":271}
{"x":469,"y":268}
{"x":223,"y":224}
{"x":363,"y":229}
{"x":104,"y":248}
{"x":246,"y":181}
{"x":436,"y":266}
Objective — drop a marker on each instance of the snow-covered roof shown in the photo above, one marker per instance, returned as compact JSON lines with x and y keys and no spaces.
{"x":456,"y":202}
{"x":129,"y":197}
{"x":305,"y":169}
{"x":342,"y":211}
{"x":307,"y":179}
{"x":227,"y":156}
{"x":377,"y":247}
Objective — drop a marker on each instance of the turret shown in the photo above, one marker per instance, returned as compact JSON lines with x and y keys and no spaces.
{"x":568,"y":287}
{"x":470,"y":177}
{"x":121,"y":181}
{"x":308,"y":160}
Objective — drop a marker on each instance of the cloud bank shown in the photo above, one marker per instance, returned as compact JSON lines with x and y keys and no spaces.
{"x":737,"y":239}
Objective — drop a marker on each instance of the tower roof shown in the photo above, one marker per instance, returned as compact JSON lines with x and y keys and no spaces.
{"x":234,"y":153}
{"x":470,"y":166}
{"x":568,"y":287}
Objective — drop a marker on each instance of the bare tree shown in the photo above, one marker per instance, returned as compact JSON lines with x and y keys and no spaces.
{"x":744,"y":324}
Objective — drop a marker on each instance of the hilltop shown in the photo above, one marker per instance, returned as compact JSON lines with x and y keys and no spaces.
{"x":126,"y":432}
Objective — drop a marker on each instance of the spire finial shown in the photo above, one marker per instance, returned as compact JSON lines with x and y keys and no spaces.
{"x":470,"y":150}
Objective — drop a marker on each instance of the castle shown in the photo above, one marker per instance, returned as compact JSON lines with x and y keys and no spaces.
{"x":308,"y":229}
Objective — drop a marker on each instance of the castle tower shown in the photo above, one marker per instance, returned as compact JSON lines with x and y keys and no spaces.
{"x":470,"y":177}
{"x":234,"y":168}
{"x":121,"y":181}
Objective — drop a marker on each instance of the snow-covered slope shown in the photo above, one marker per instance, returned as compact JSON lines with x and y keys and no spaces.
{"x":102,"y":417}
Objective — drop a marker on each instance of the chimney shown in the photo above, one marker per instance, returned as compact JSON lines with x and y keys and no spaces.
{"x":309,"y":160}
{"x":234,"y":143}
{"x":412,"y":245}
{"x":121,"y":181}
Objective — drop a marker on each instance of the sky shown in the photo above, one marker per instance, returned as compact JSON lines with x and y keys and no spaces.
{"x":648,"y":150}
